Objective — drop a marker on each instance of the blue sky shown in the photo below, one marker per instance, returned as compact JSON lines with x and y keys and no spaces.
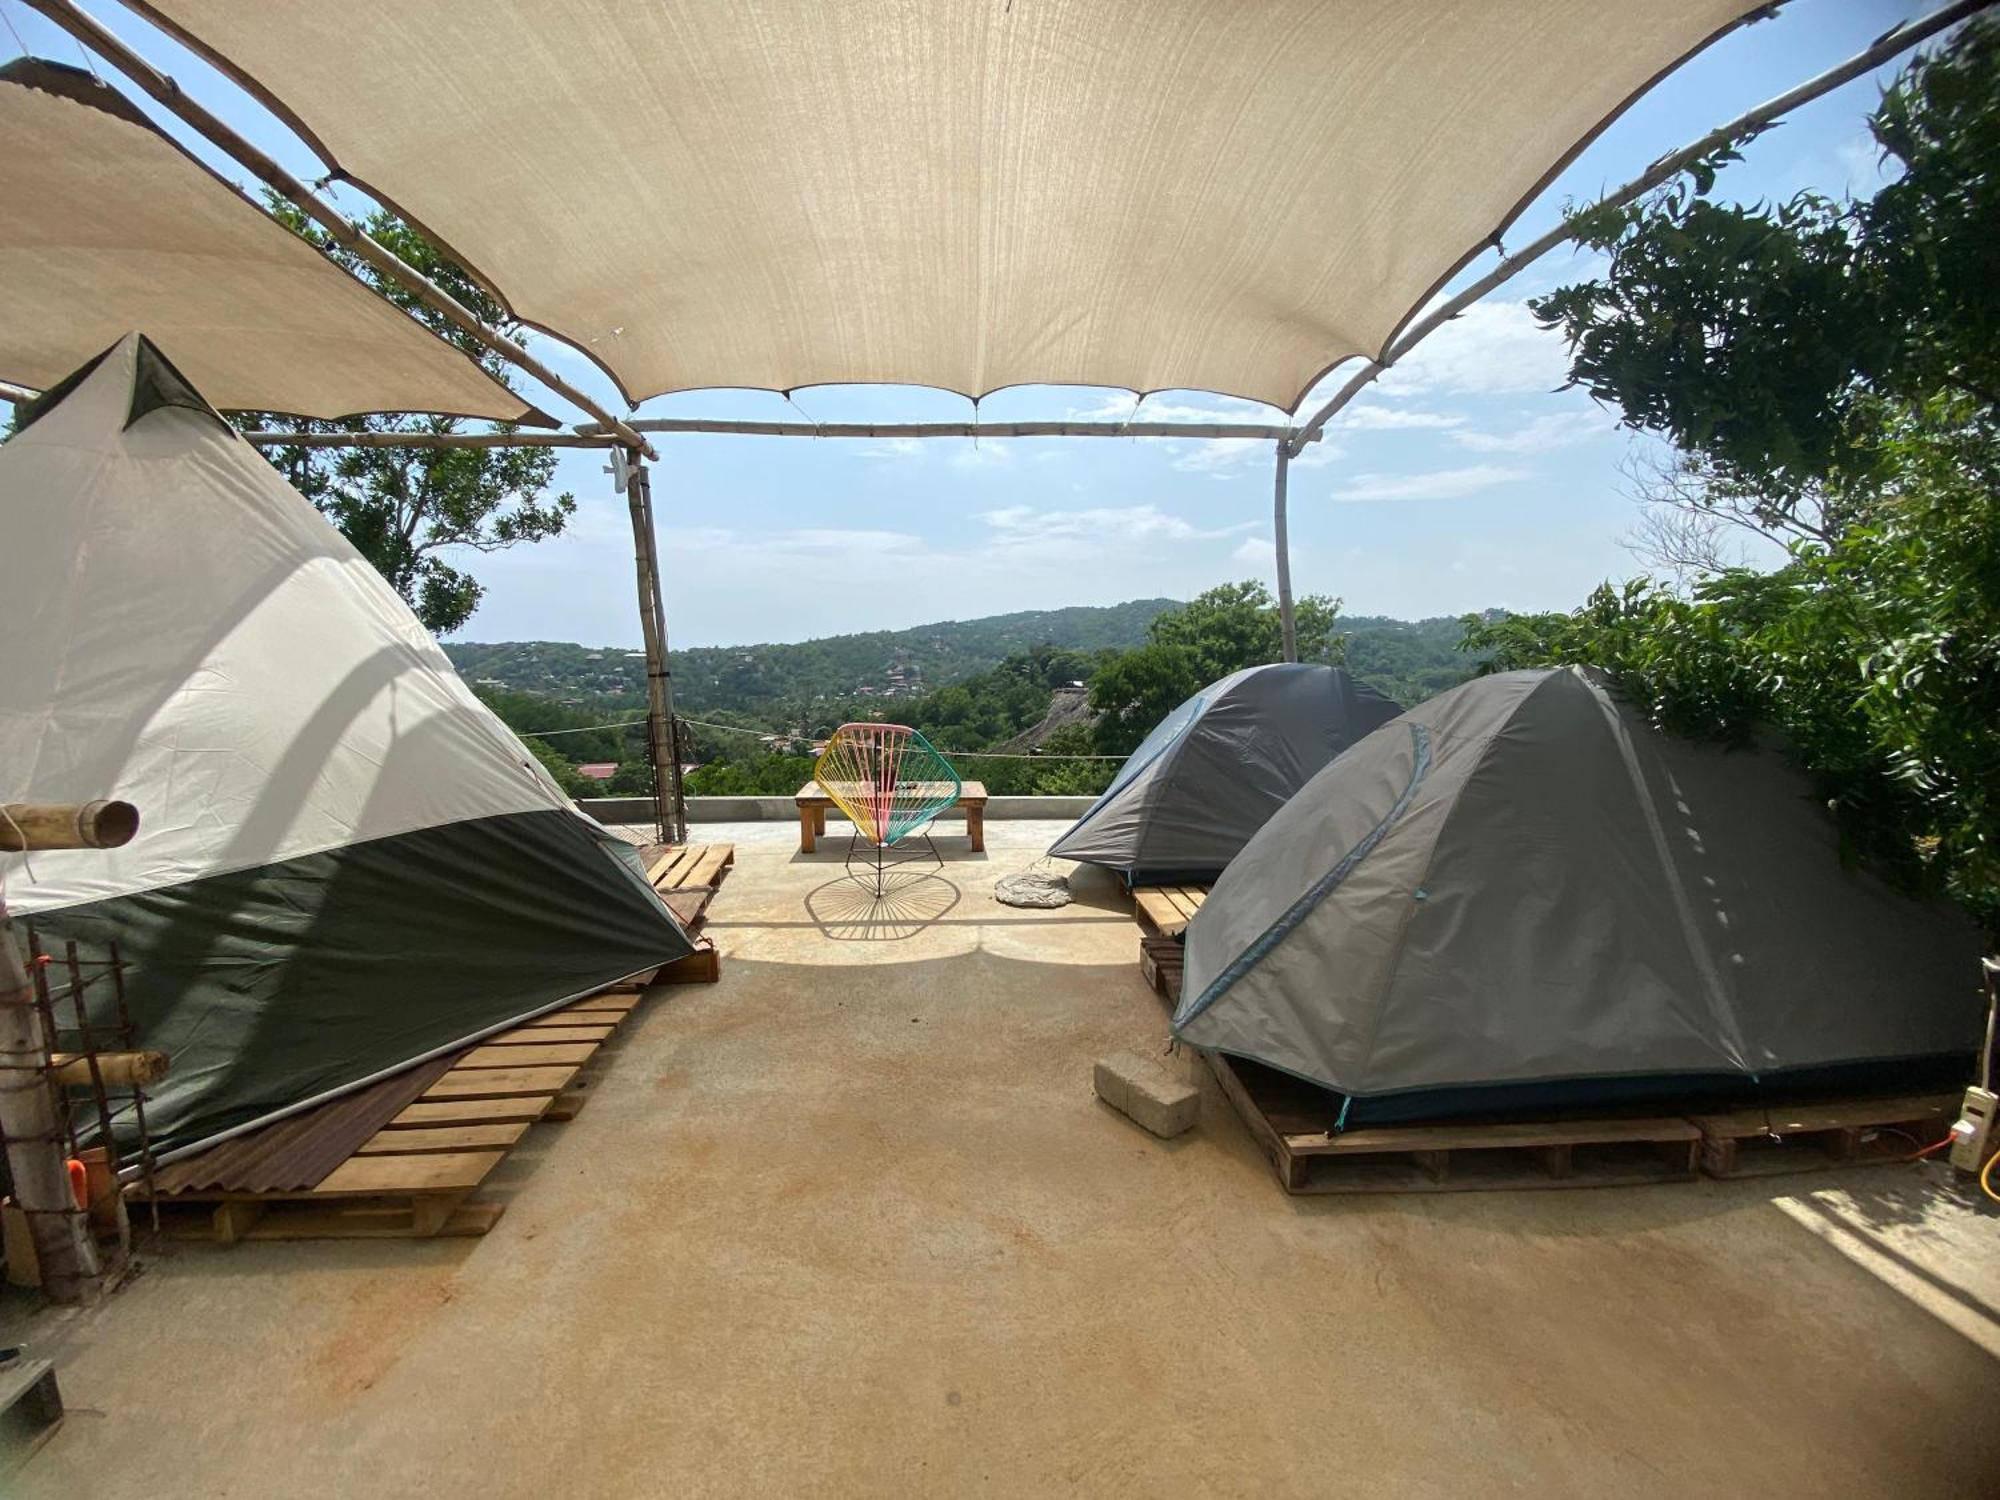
{"x":1465,"y":479}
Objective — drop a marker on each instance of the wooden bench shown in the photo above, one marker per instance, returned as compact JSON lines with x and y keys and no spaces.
{"x":814,"y":804}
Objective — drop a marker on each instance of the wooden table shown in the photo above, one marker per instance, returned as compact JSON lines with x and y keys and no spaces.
{"x":813,"y":804}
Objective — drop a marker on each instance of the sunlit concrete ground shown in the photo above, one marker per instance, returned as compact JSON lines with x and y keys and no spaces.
{"x":851,"y":1223}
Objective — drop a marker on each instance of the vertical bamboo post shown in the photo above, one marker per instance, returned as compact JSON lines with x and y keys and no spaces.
{"x":1282,"y":543}
{"x":669,"y":808}
{"x":29,"y":1099}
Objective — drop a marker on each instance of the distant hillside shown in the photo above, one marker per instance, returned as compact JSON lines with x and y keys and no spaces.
{"x":756,"y":679}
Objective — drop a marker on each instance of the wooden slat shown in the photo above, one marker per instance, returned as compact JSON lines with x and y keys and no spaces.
{"x":536,"y":1035}
{"x":610,"y":1000}
{"x":359,"y":1221}
{"x":443,"y":1138}
{"x":425,"y":1114}
{"x":713,"y":859}
{"x":546,"y":1055}
{"x":1849,"y":1114}
{"x":382,"y":1176}
{"x":670,"y":873}
{"x":663,"y":869}
{"x":1159,"y":909}
{"x":1490,"y":1137}
{"x":499,"y":1083}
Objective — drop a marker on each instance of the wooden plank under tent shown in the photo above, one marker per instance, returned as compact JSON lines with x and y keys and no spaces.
{"x":1298,"y":1126}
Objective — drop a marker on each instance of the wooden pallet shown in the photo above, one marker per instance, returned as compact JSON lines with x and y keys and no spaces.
{"x":1160,"y":962}
{"x":687,"y":878}
{"x":1293,"y":1123}
{"x":1804,"y":1138}
{"x":415,"y":1177}
{"x":31,"y":1409}
{"x":1165,"y":910}
{"x":691,"y":865}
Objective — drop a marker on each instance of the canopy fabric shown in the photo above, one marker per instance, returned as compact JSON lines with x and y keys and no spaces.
{"x":110,"y":225}
{"x":1522,"y":892}
{"x":344,"y":861}
{"x":1229,"y":195}
{"x":1214,"y":770}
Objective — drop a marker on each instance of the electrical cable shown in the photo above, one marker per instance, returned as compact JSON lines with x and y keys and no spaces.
{"x":1985,"y":1174}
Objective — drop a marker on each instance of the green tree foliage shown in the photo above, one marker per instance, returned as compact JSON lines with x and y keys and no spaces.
{"x":410,"y":511}
{"x":1221,"y":631}
{"x":1843,"y":357}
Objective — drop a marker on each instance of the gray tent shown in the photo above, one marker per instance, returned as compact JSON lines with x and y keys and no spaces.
{"x":1218,"y":766}
{"x":1522,"y":894}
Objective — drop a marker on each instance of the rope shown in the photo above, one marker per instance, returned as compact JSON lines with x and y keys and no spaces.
{"x":547,"y":734}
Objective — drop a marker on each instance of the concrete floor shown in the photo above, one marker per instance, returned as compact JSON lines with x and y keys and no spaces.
{"x":851,"y":1223}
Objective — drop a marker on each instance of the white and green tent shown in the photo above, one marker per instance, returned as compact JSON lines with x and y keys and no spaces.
{"x":345,"y":863}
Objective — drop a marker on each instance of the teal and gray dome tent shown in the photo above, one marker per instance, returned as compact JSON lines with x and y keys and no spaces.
{"x":345,"y":862}
{"x":1218,"y":766}
{"x":1521,"y":894}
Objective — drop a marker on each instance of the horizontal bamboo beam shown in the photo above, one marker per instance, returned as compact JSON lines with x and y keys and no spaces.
{"x":151,"y":81}
{"x":119,"y":1070}
{"x":273,"y":439}
{"x":67,"y":825}
{"x":15,"y":393}
{"x":1265,"y":432}
{"x":1889,"y":45}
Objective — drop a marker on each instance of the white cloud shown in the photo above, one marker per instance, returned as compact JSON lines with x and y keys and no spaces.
{"x":1024,"y":526}
{"x":1255,"y":552}
{"x":1372,"y":416}
{"x":903,"y":447}
{"x":1441,"y":484}
{"x":1117,"y":407}
{"x":1544,"y":434}
{"x":1216,"y":455}
{"x":1318,"y":455}
{"x":990,"y":454}
{"x":1492,"y":348}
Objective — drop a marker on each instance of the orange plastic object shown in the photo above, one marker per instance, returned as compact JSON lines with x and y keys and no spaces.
{"x":79,"y":1183}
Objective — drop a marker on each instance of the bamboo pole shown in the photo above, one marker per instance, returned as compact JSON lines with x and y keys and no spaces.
{"x":151,"y":81}
{"x":15,"y":393}
{"x":34,"y":1132}
{"x":122,"y":1070}
{"x":660,"y":677}
{"x":1885,"y":47}
{"x":1264,"y":430}
{"x":67,"y":825}
{"x":269,"y":438}
{"x":1282,"y":543}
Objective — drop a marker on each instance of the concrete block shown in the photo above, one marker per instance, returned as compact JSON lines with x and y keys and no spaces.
{"x":1147,"y":1092}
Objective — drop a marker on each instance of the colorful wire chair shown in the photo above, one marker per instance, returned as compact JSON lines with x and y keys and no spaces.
{"x":890,"y":782}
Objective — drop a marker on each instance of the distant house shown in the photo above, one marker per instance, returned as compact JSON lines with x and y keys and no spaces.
{"x":598,"y":770}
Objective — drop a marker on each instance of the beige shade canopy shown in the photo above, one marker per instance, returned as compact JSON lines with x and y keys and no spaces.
{"x":1230,"y":195}
{"x":110,"y":227}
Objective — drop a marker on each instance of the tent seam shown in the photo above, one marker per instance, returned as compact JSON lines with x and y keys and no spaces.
{"x":1299,"y":910}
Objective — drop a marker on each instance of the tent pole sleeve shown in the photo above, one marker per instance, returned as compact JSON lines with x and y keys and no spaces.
{"x":668,"y":803}
{"x":150,"y":81}
{"x":1282,"y":544}
{"x":1889,"y":45}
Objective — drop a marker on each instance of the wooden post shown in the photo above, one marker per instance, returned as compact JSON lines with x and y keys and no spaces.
{"x":64,"y":1250}
{"x":1282,"y":541}
{"x":669,"y":809}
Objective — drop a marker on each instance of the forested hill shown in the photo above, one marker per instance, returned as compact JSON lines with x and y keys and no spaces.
{"x":755,"y":679}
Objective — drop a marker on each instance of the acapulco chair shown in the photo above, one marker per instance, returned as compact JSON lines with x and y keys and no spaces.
{"x":891,"y":783}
